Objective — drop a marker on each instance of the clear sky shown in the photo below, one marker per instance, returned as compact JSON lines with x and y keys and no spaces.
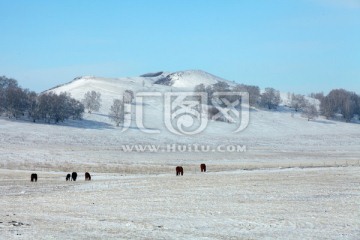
{"x":299,"y":46}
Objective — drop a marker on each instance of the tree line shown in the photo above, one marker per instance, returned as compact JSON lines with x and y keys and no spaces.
{"x":19,"y":103}
{"x":270,"y":98}
{"x":339,"y":103}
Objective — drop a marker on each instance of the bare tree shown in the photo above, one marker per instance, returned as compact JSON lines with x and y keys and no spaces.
{"x":5,"y":85}
{"x":340,"y":101}
{"x":221,"y":87}
{"x":297,"y":102}
{"x":117,"y":112}
{"x":16,"y":101}
{"x":128,"y":96}
{"x":310,"y":111}
{"x":76,"y":109}
{"x":270,"y":98}
{"x":211,"y":89}
{"x":33,"y":106}
{"x":200,"y":88}
{"x":57,"y":108}
{"x":328,"y":107}
{"x":254,"y":93}
{"x":92,"y":101}
{"x":7,"y":82}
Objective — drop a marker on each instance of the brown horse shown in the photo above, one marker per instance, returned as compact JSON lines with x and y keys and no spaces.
{"x":87,"y":176}
{"x":68,"y":177}
{"x":34,"y":177}
{"x":203,"y":167}
{"x":179,"y":171}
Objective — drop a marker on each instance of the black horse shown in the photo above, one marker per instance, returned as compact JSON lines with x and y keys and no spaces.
{"x":68,"y":177}
{"x":34,"y":177}
{"x":74,"y":176}
{"x":179,"y":171}
{"x":203,"y":167}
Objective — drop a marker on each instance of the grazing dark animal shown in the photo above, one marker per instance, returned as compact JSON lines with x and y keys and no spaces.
{"x":34,"y":177}
{"x":203,"y":167}
{"x":74,"y":176}
{"x":68,"y":177}
{"x":179,"y":171}
{"x":87,"y":176}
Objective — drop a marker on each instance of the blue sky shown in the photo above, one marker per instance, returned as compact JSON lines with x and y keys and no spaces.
{"x":297,"y":46}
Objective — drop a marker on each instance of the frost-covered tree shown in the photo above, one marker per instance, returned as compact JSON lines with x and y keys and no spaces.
{"x":270,"y":98}
{"x":44,"y":107}
{"x":32,"y":111}
{"x":92,"y":101}
{"x":254,"y":93}
{"x":310,"y":111}
{"x":117,"y":112}
{"x":5,"y":85}
{"x":221,"y":87}
{"x":200,"y":88}
{"x":16,"y":100}
{"x":340,"y":101}
{"x":77,"y":109}
{"x":128,"y":96}
{"x":297,"y":102}
{"x":61,"y":108}
{"x":328,"y":107}
{"x":57,"y":108}
{"x":7,"y":82}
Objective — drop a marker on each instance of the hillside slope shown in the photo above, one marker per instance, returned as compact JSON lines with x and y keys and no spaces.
{"x":272,"y":138}
{"x":262,"y":123}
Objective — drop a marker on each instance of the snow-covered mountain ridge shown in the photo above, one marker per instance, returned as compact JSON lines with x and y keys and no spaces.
{"x":181,"y":79}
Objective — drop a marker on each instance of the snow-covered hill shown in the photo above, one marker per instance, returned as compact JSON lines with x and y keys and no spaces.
{"x":265,"y":124}
{"x":160,"y":81}
{"x":114,"y":88}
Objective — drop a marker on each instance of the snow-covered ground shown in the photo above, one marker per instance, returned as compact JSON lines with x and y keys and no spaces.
{"x":297,"y":179}
{"x":319,"y":203}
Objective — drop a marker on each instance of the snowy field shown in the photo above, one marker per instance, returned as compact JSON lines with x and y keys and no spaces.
{"x":297,"y":179}
{"x":317,"y":203}
{"x":287,"y":185}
